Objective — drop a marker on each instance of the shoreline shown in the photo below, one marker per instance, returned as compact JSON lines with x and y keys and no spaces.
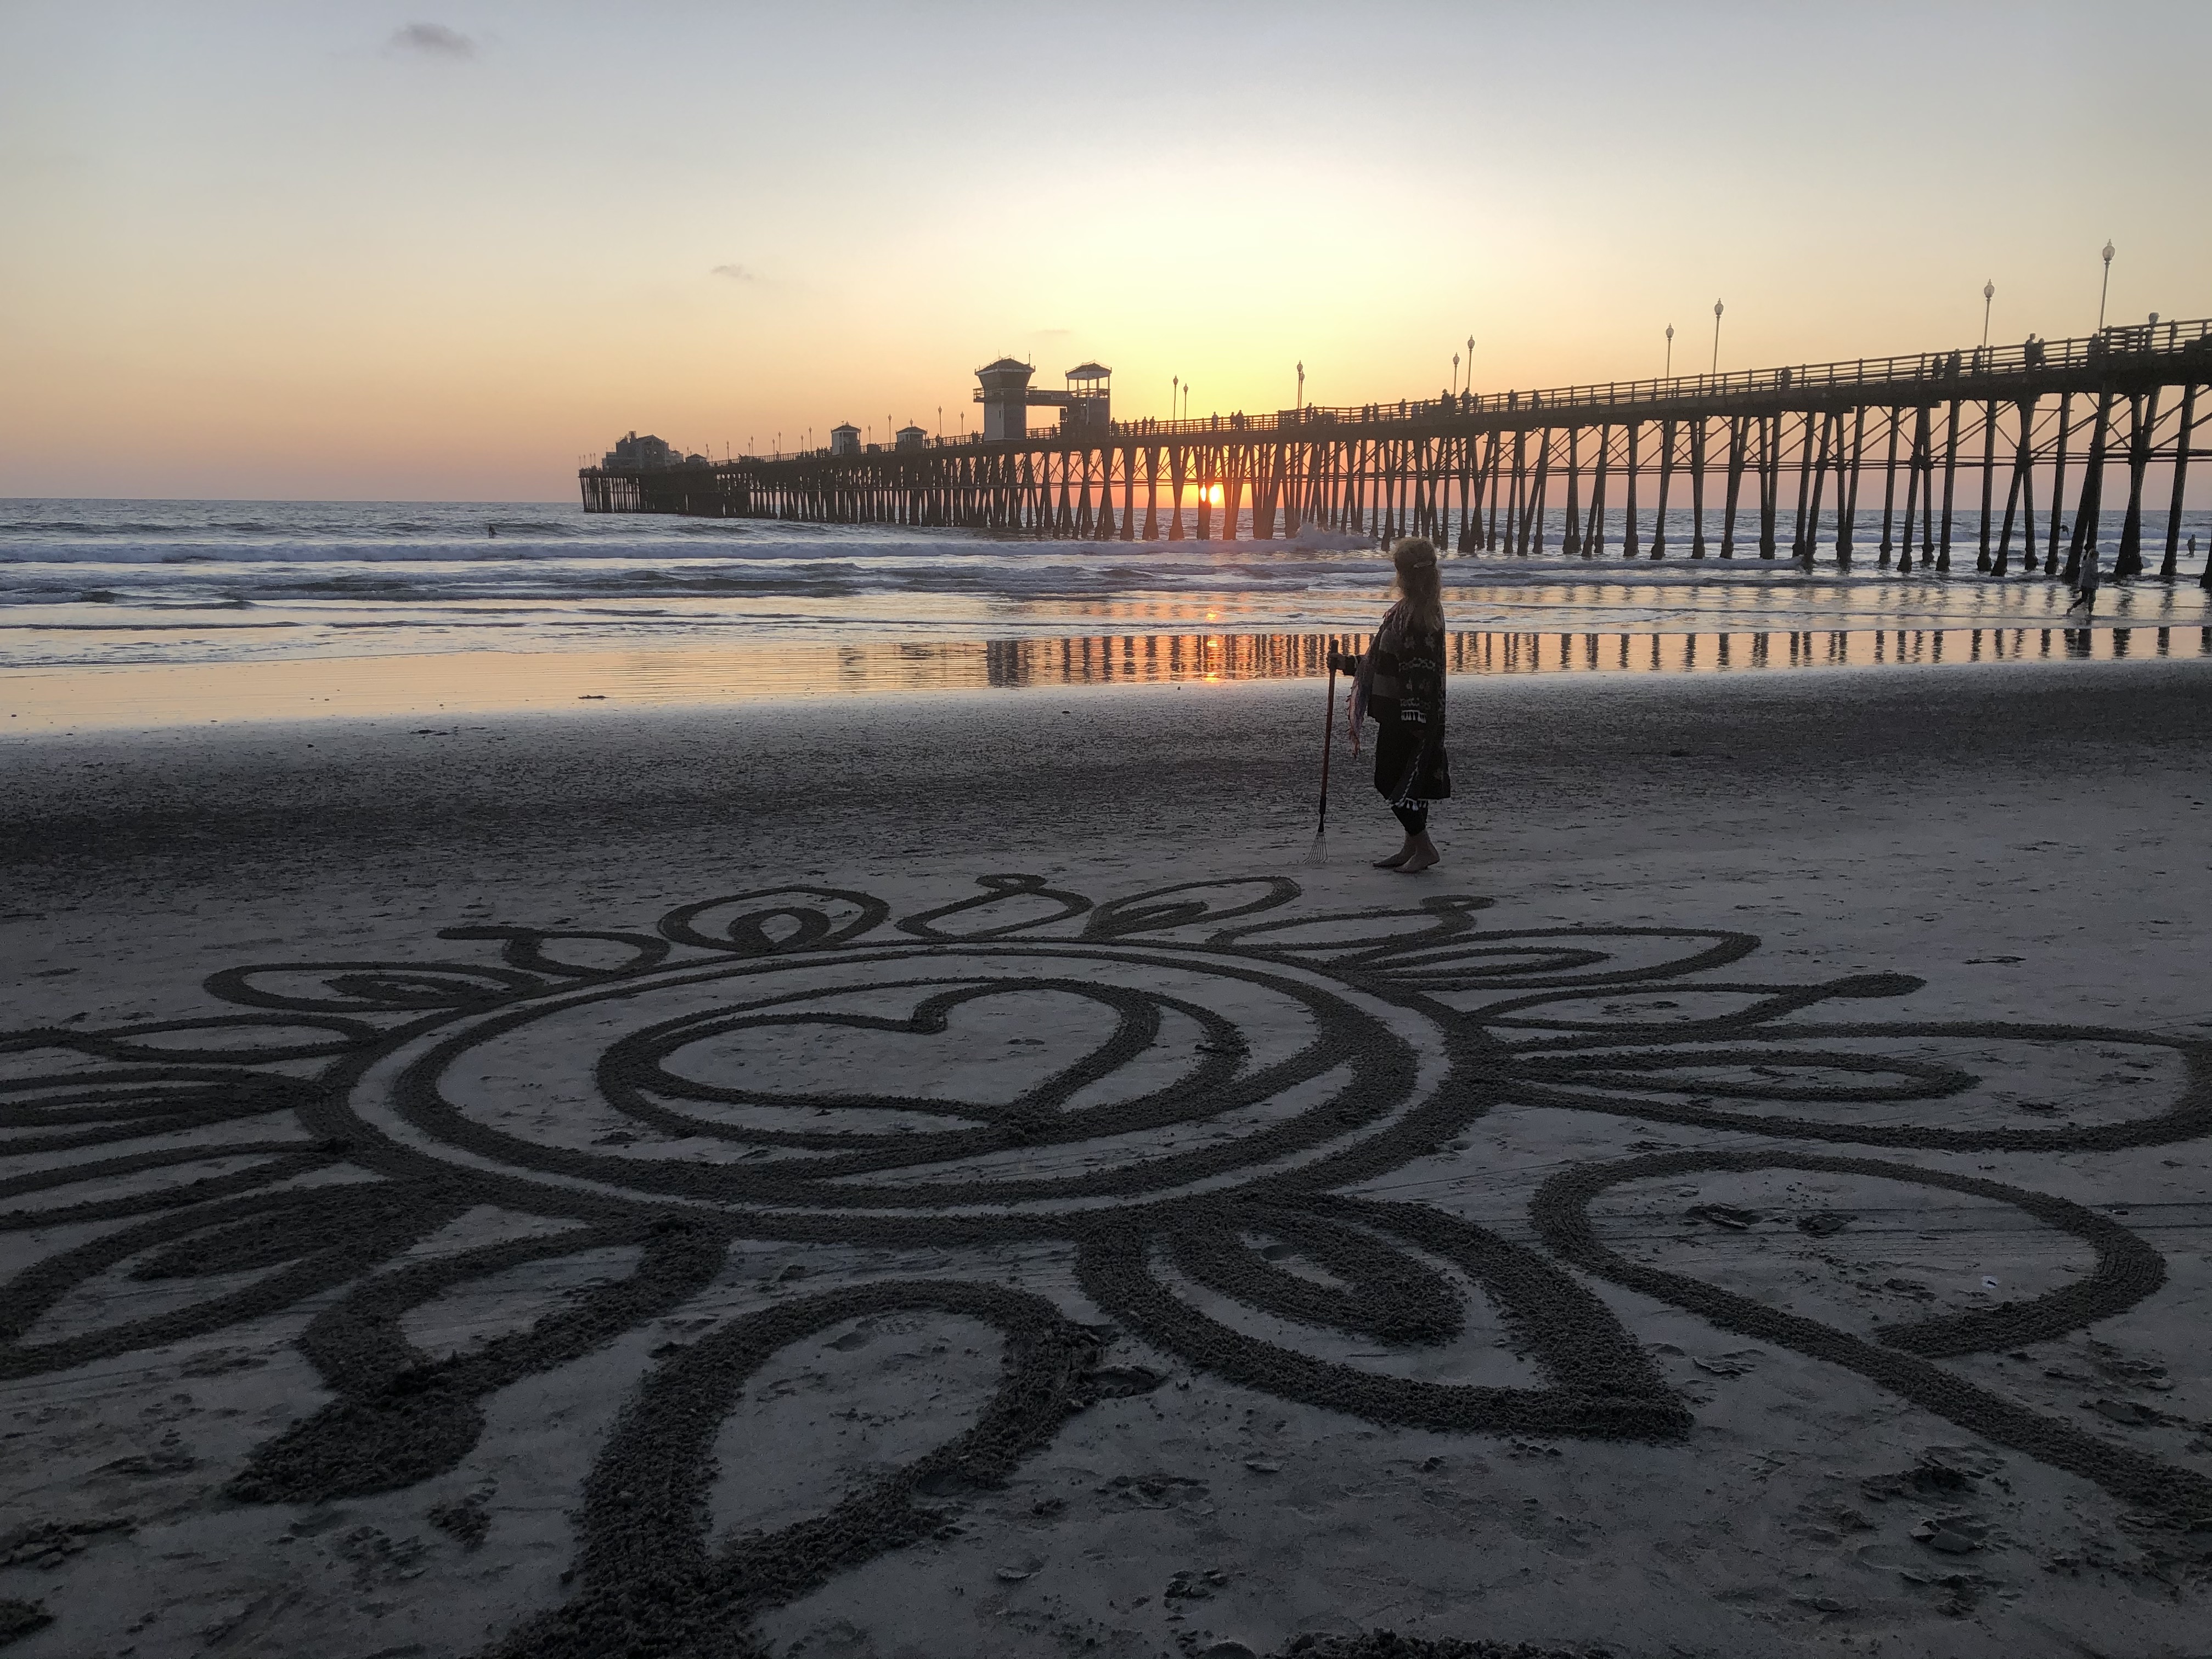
{"x":485,"y":682}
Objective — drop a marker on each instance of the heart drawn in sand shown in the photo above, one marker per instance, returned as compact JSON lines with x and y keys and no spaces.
{"x":1000,"y":1071}
{"x":988,"y":1053}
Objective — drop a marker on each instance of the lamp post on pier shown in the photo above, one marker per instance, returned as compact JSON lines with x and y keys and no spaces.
{"x":1470,"y":362}
{"x":1300,"y":406}
{"x":1455,"y":374}
{"x":1989,"y":295}
{"x":1716,"y":336}
{"x":1175,"y":394}
{"x":1670,"y":351}
{"x":2107,"y":290}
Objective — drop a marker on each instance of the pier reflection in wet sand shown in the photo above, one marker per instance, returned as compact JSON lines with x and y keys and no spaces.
{"x":1143,"y":659}
{"x":463,"y":683}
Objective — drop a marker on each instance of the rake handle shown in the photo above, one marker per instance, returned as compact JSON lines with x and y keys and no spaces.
{"x":1328,"y":737}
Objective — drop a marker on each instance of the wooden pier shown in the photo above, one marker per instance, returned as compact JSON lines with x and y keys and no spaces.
{"x":1904,"y":459}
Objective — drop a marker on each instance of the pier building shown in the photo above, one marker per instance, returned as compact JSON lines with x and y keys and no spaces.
{"x":1003,"y":389}
{"x":1086,"y":403}
{"x":643,"y":454}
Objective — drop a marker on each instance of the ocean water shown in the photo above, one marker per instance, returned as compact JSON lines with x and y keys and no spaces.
{"x":120,"y":611}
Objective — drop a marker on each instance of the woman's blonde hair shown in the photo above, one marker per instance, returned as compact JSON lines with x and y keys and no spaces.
{"x":1415,"y":560}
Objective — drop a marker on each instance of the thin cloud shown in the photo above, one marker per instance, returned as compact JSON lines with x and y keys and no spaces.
{"x":758,"y":282}
{"x":433,"y":40}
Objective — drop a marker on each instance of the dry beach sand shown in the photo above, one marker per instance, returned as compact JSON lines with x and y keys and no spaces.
{"x":1751,"y":1198}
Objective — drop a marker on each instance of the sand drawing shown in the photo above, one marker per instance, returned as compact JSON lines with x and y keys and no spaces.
{"x":1203,"y":1078}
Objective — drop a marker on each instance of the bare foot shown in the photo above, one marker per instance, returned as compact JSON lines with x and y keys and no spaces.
{"x":1395,"y":860}
{"x":1423,"y":854}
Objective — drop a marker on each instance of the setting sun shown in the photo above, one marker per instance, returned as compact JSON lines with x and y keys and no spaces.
{"x":1210,"y":494}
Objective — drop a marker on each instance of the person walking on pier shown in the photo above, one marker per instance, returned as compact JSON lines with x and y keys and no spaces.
{"x":1400,"y":680}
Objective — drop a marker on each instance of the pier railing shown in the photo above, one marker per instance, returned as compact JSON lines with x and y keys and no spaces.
{"x":1983,"y":372}
{"x":1978,"y":372}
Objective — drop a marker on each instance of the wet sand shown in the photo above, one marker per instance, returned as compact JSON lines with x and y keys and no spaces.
{"x":725,"y":675}
{"x":1386,"y":1284}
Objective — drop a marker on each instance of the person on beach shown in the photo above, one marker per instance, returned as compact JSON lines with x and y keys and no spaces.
{"x":1400,"y":680}
{"x":2086,"y":589}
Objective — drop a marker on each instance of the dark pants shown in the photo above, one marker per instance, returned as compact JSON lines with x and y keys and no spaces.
{"x":1397,"y":747}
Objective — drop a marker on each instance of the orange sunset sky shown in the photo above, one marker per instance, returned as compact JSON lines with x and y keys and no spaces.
{"x":360,"y":251}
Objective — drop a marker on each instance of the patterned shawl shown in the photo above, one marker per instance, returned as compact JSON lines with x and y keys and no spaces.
{"x":1387,"y":637}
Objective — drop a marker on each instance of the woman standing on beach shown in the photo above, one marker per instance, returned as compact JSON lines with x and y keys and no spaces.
{"x":1400,"y":680}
